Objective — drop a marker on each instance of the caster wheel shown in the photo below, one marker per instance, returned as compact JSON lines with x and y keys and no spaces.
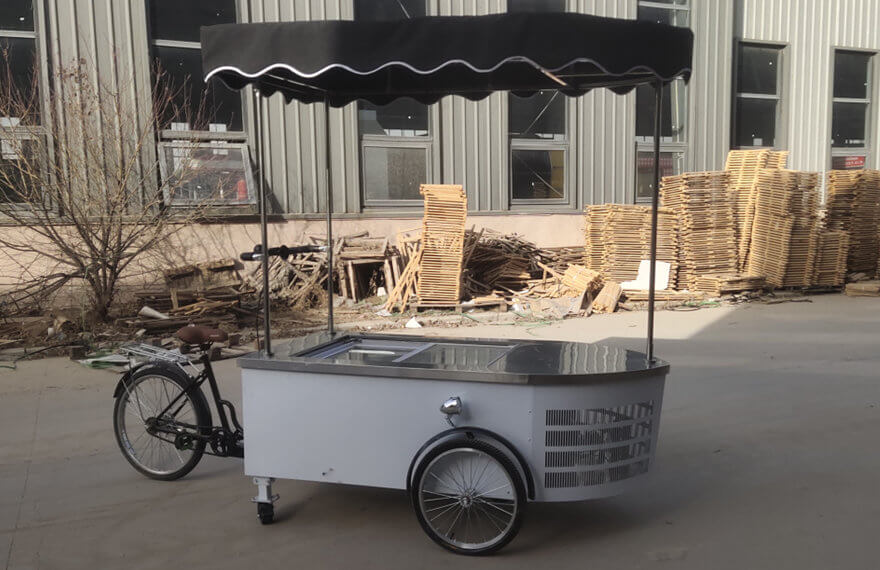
{"x":265,"y":512}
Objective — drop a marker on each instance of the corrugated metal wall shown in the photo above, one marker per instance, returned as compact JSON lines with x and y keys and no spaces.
{"x":811,"y":30}
{"x":110,"y":38}
{"x":710,"y":85}
{"x":293,"y":134}
{"x":470,"y":145}
{"x":604,"y":143}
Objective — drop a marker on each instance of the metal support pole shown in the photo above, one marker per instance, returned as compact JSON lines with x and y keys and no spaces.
{"x":327,"y":181}
{"x":655,"y":199}
{"x":264,"y":222}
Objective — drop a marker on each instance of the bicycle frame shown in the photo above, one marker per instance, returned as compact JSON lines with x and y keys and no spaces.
{"x":224,"y":407}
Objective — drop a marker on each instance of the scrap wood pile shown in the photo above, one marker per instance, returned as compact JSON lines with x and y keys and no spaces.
{"x":205,"y":293}
{"x":361,"y":263}
{"x":447,"y":264}
{"x":618,"y":238}
{"x":297,"y":281}
{"x":706,"y":229}
{"x":500,"y":263}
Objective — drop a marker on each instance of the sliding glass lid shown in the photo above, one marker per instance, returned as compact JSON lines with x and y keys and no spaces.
{"x":417,"y":353}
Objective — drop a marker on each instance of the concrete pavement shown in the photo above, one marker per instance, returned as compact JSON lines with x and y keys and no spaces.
{"x":769,"y":457}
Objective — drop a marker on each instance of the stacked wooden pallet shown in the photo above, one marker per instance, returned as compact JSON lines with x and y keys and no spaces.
{"x":772,"y":225}
{"x":840,"y":192}
{"x":718,"y":285}
{"x":865,"y":223}
{"x":804,"y":231}
{"x":626,"y":236}
{"x":594,"y":246}
{"x":777,"y":159}
{"x":831,"y":255}
{"x":443,"y":223}
{"x":706,"y":228}
{"x":743,"y":166}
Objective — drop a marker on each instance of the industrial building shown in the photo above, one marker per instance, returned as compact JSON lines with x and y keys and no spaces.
{"x":784,"y":74}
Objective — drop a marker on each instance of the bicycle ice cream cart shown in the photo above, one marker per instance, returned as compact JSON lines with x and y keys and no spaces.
{"x":473,"y":429}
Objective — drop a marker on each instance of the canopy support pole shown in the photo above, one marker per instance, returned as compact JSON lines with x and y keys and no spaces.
{"x":655,"y":199}
{"x":264,"y":223}
{"x":327,"y":181}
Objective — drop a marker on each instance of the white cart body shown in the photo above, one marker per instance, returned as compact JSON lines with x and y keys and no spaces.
{"x":581,"y":420}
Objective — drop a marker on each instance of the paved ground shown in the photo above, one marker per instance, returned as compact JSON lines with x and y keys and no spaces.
{"x":769,"y":458}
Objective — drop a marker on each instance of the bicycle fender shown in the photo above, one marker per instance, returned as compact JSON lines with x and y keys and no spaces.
{"x":475,"y":432}
{"x":165,"y":367}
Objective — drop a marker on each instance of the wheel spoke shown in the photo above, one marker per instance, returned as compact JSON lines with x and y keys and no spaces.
{"x":469,"y":517}
{"x":146,"y":397}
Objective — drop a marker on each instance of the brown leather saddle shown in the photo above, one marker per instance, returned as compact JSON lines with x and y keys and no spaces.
{"x":197,"y":334}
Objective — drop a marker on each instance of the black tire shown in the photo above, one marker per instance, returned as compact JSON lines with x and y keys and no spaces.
{"x":266,"y":513}
{"x":466,"y":499}
{"x":149,"y":389}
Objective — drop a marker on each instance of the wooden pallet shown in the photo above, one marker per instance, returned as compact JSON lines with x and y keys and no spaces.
{"x":831,"y":255}
{"x":706,"y":226}
{"x":443,"y":228}
{"x":864,"y":246}
{"x":619,"y":237}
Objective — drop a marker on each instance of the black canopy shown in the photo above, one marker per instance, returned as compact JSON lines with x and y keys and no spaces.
{"x":428,"y":58}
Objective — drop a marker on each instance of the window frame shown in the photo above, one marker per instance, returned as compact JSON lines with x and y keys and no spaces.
{"x":428,"y":142}
{"x":163,"y":135}
{"x":165,"y":172}
{"x":646,"y":143}
{"x":513,"y":143}
{"x":36,"y":132}
{"x":780,"y":138}
{"x":389,"y":142}
{"x":870,"y":109}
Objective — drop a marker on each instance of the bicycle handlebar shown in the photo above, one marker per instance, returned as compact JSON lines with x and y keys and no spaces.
{"x":281,"y":251}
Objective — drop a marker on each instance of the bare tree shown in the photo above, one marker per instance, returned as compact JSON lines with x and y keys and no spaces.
{"x":81,"y":179}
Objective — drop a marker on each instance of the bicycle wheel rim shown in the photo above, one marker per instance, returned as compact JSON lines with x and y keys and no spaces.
{"x":144,"y":398}
{"x":468,"y":499}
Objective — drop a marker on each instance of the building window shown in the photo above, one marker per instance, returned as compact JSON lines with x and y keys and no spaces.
{"x":202,"y":127}
{"x":850,"y":110}
{"x":536,"y":128}
{"x":673,"y":112}
{"x":396,"y":139}
{"x":756,"y":120}
{"x":20,"y":107}
{"x":174,"y":34}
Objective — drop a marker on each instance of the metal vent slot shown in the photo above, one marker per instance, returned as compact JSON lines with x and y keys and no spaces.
{"x":580,"y":438}
{"x":569,"y":479}
{"x":599,"y":415}
{"x":586,"y":458}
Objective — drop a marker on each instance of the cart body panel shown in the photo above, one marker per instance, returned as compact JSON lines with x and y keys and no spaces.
{"x":589,"y":430}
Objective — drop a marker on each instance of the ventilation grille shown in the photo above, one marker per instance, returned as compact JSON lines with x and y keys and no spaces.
{"x":563,"y":479}
{"x":612,"y":444}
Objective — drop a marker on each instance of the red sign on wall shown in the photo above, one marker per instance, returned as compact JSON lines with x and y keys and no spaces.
{"x":847,"y":162}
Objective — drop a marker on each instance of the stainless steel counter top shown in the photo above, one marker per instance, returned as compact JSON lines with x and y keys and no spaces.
{"x":461,"y":359}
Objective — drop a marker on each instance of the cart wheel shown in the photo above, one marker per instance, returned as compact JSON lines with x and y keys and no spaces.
{"x":266,"y":512}
{"x":468,"y":497}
